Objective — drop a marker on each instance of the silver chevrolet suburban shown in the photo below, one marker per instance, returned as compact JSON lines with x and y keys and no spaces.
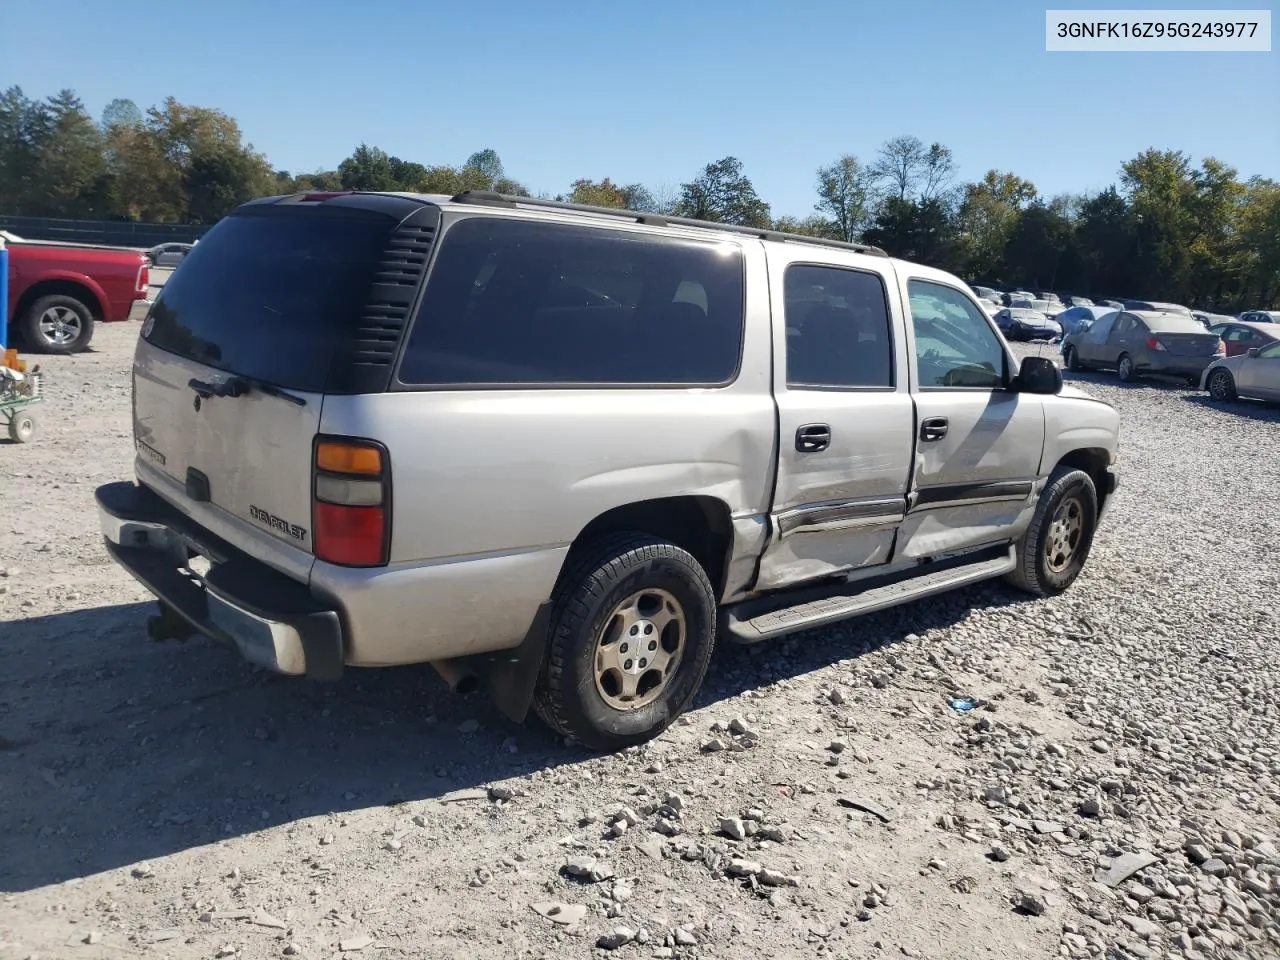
{"x":560,"y":450}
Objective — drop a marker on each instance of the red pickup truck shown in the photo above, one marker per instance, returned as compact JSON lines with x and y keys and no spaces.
{"x":57,"y":292}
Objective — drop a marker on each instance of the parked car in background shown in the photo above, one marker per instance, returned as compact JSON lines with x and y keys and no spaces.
{"x":1155,"y":306}
{"x":1113,"y":304}
{"x":1260,"y":316}
{"x":1255,"y":374}
{"x":987,"y":293}
{"x":1074,"y":319}
{"x":57,"y":292}
{"x":1073,"y":301}
{"x":1240,"y":337}
{"x":989,"y":307}
{"x":1211,"y":319}
{"x":169,"y":254}
{"x":742,"y":466}
{"x":1012,"y":295}
{"x":1018,"y":323}
{"x":1137,"y":342}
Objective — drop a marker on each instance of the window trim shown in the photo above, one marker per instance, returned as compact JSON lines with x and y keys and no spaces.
{"x":1006,"y":375}
{"x":398,"y":385}
{"x":888,"y":313}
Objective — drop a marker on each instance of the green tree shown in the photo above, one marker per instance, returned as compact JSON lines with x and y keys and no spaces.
{"x":813,"y":226}
{"x":636,"y":196}
{"x":70,"y":175}
{"x":486,"y":163}
{"x":913,"y":230}
{"x":846,"y":195}
{"x":368,"y":168}
{"x":1037,"y":244}
{"x":985,"y":219}
{"x":722,"y":193}
{"x":121,"y":112}
{"x":606,"y":193}
{"x":24,"y":129}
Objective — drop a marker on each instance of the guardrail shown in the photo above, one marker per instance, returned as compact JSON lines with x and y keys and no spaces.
{"x":112,"y":233}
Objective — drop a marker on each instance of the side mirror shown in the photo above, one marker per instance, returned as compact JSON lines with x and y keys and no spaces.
{"x":1038,"y":375}
{"x":1254,"y":351}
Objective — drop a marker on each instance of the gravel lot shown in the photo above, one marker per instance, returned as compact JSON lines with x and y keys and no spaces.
{"x":1116,"y":793}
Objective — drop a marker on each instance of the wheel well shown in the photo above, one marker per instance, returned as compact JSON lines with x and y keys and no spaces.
{"x":701,"y":525}
{"x":1092,"y":461}
{"x":66,"y":288}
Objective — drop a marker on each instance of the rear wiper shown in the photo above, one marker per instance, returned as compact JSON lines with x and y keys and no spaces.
{"x":238,"y":386}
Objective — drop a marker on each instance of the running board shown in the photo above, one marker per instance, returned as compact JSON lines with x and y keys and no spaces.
{"x":851,"y":601}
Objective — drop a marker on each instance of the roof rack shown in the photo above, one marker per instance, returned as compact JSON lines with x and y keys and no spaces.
{"x":491,"y":198}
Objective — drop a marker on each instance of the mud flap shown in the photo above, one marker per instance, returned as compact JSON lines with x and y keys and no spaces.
{"x":513,"y":674}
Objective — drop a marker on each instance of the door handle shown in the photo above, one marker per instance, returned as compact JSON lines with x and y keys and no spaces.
{"x":933,"y":428}
{"x":813,"y":437}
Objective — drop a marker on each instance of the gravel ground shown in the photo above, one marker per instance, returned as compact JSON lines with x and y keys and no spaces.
{"x":1115,"y":792}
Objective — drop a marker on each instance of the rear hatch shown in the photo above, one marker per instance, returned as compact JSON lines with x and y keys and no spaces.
{"x":281,"y":302}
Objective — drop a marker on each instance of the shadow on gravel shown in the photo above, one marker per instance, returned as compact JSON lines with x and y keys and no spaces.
{"x":1249,"y":409}
{"x":115,"y":750}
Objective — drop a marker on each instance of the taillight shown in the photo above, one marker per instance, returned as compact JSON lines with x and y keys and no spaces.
{"x":144,"y":279}
{"x":1154,"y":344}
{"x":351,"y":510}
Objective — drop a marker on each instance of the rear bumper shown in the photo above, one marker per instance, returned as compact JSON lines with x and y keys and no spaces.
{"x":274,"y":621}
{"x":1178,"y":366}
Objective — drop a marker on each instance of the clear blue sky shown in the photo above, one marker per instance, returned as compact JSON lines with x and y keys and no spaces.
{"x":651,"y":92}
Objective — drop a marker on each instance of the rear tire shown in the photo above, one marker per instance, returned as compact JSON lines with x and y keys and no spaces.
{"x":1125,"y":369}
{"x":1053,"y":550}
{"x":57,"y":324}
{"x":627,"y":602}
{"x":1222,"y":386}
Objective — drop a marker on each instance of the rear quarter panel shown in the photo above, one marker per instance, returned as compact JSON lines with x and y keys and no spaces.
{"x":491,"y":487}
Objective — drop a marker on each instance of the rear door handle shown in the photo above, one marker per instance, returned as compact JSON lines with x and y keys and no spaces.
{"x":813,"y":437}
{"x":933,"y":428}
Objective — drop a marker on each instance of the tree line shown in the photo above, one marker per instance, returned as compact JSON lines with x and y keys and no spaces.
{"x":1167,"y":229}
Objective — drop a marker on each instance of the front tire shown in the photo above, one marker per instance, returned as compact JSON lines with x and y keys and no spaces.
{"x":1222,"y":386}
{"x":22,"y":427}
{"x":631,"y":633}
{"x":57,"y":324}
{"x":1071,"y":359}
{"x":1052,"y":552}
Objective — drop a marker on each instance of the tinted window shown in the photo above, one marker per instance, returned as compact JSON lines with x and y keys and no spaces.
{"x":1270,"y":352}
{"x":522,"y":302}
{"x":1174,"y":323}
{"x":271,"y":296}
{"x":955,"y":345}
{"x":837,"y":328}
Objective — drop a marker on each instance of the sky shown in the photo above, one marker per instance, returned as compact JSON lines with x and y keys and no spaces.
{"x":652,"y":92}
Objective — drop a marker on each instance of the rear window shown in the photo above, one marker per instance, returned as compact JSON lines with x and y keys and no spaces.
{"x":271,"y":296}
{"x":518,"y":302}
{"x":1173,"y":323}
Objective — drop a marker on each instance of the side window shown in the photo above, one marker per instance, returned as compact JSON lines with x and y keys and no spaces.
{"x":838,"y":332}
{"x":1124,"y":326}
{"x":955,"y":345}
{"x":521,"y":302}
{"x":1270,"y":352}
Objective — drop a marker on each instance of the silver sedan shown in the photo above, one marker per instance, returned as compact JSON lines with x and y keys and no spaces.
{"x":1254,"y":374}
